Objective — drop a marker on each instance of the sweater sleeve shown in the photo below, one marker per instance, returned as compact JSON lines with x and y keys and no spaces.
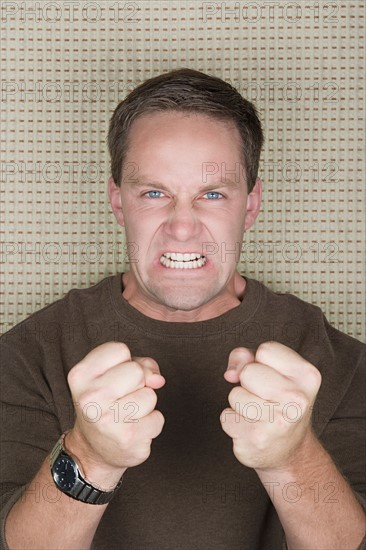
{"x":344,"y":439}
{"x":344,"y":381}
{"x":29,"y":425}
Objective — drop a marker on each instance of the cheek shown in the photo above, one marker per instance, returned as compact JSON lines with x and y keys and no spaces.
{"x":140,"y":233}
{"x":227,"y":226}
{"x":139,"y":219}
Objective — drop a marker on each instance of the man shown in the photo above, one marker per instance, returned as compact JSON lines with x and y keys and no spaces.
{"x":163,"y":452}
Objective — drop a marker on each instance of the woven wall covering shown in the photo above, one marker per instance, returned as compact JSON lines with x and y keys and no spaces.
{"x":66,"y":65}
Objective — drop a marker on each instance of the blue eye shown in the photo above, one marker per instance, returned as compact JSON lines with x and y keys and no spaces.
{"x":153,"y":196}
{"x":215,"y":193}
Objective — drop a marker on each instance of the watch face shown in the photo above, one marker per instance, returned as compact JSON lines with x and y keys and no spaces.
{"x":64,"y":473}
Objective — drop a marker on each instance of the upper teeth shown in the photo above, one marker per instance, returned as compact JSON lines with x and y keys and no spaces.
{"x":176,"y":260}
{"x":182,"y":257}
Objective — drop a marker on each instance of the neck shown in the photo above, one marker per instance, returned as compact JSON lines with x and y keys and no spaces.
{"x":225,"y":301}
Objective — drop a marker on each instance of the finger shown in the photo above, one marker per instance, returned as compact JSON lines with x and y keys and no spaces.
{"x":265,"y":381}
{"x":148,"y":429}
{"x":144,"y":431}
{"x":136,"y":405}
{"x":117,"y":382}
{"x":237,"y":359}
{"x":289,"y":363}
{"x":96,"y":362}
{"x":233,"y":423}
{"x":251,"y":407}
{"x":153,"y":378}
{"x":151,"y":426}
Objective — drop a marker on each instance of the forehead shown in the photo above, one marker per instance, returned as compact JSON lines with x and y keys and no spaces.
{"x":190,"y":137}
{"x":179,"y":123}
{"x":177,"y":148}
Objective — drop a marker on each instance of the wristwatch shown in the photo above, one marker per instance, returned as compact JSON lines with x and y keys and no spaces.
{"x":68,"y":477}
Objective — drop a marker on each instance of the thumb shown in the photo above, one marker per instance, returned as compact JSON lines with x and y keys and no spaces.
{"x":153,"y":378}
{"x":238,"y":358}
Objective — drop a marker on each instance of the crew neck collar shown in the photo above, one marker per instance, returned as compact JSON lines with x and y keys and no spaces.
{"x":240,"y":314}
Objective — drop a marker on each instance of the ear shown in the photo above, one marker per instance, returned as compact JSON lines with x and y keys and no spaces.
{"x":115,"y":199}
{"x":253,"y":204}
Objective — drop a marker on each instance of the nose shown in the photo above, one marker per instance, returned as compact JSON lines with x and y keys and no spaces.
{"x":182,"y":223}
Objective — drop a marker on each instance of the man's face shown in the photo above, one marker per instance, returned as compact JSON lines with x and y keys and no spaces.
{"x":183,"y":191}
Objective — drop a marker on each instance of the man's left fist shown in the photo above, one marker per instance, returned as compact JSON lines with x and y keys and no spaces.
{"x":270,"y":413}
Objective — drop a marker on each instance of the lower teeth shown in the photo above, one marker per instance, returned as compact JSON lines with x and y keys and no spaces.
{"x":175,"y":264}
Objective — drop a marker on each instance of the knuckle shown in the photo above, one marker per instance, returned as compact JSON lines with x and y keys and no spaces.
{"x":223,"y":416}
{"x":236,"y":392}
{"x":151,"y":396}
{"x":260,"y":439}
{"x":314,"y":376}
{"x":71,"y":378}
{"x":145,"y":452}
{"x":136,"y":371}
{"x":74,"y":376}
{"x":128,"y":436}
{"x":118,"y":347}
{"x":149,"y":393}
{"x":154,"y":424}
{"x":90,"y":396}
{"x":160,"y":420}
{"x":227,"y":422}
{"x":148,"y":362}
{"x":240,"y":354}
{"x":262,"y":351}
{"x":298,"y":399}
{"x":235,"y":395}
{"x":237,"y":351}
{"x":227,"y":419}
{"x":246,"y":372}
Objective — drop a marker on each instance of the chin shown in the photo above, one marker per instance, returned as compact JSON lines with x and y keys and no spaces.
{"x":184,"y":301}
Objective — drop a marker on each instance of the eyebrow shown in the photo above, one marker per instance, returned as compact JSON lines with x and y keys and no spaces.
{"x":137,"y":183}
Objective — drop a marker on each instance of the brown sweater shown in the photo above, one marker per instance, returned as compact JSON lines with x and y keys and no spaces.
{"x":191,"y":493}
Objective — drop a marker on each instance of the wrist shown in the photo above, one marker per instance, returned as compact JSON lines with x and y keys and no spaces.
{"x":98,"y":474}
{"x":302,"y":457}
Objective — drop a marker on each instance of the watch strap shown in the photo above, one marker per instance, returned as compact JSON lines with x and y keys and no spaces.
{"x":82,"y":489}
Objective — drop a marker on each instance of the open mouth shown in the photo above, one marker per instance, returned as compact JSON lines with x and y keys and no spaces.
{"x":187,"y":260}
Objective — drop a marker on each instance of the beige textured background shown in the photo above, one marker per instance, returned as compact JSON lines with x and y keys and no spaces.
{"x":65,"y":66}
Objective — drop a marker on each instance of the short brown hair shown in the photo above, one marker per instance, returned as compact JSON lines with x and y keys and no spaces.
{"x":190,"y":91}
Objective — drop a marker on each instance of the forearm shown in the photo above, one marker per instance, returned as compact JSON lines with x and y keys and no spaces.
{"x":102,"y":450}
{"x":46,"y":518}
{"x":315,"y":504}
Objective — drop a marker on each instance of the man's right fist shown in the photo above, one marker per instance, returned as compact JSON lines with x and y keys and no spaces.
{"x":116,"y":420}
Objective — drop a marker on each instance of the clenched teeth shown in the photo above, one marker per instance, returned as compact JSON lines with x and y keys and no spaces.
{"x":182,"y":261}
{"x":182,"y":257}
